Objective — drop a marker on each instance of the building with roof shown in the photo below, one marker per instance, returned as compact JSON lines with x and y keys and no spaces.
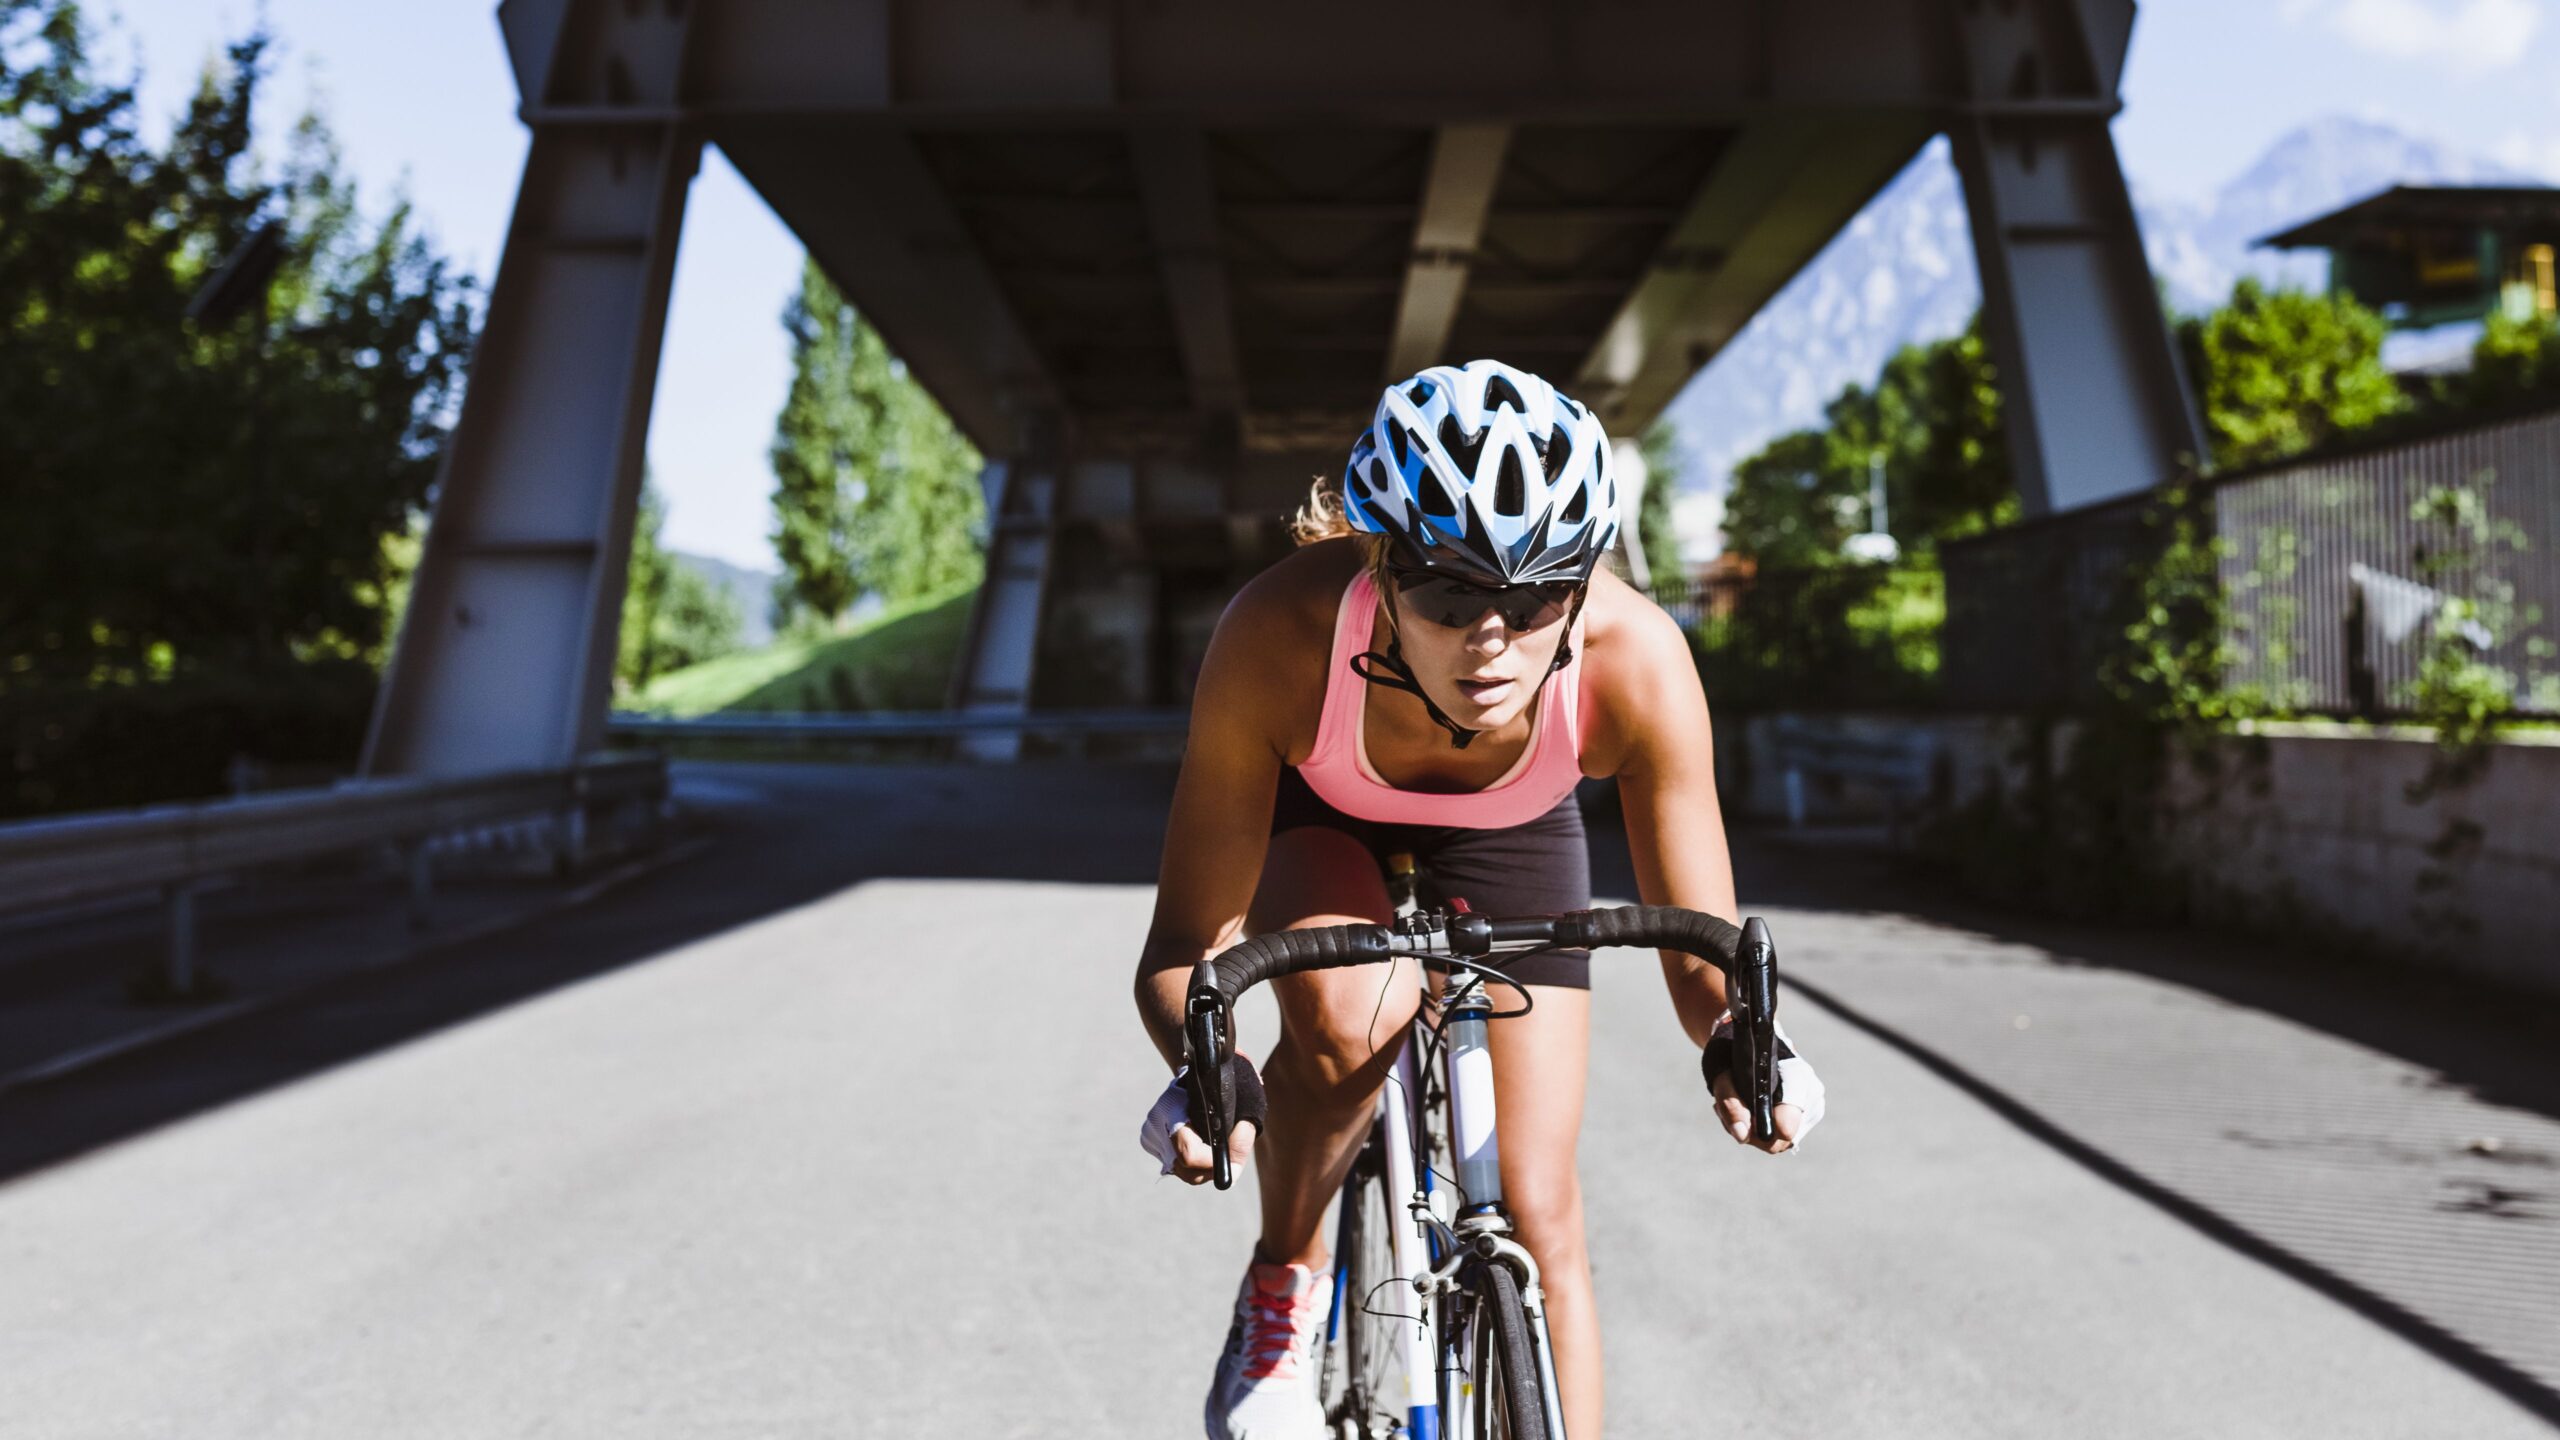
{"x":2426,"y":255}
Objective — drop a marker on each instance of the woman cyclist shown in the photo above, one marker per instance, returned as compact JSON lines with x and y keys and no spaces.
{"x":1455,"y":571}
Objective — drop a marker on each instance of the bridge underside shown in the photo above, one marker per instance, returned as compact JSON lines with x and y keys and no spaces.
{"x":1157,"y":258}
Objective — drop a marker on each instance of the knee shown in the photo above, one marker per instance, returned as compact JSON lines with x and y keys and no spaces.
{"x":1331,"y":1058}
{"x":1547,"y":1208}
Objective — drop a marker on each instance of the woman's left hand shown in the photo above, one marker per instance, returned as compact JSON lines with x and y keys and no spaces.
{"x":1736,"y":1119}
{"x":1801,"y":1097}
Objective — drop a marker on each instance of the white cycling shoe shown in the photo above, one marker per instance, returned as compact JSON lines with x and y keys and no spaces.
{"x":1266,"y":1383}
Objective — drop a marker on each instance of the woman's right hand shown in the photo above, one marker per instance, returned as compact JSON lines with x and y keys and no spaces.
{"x":1171,"y":1131}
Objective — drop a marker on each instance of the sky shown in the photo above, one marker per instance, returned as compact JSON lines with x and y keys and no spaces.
{"x":423,"y":103}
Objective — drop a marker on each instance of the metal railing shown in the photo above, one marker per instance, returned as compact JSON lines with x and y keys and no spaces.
{"x":177,"y":850}
{"x":2335,"y":574}
{"x":896,"y":724}
{"x":2034,"y":608}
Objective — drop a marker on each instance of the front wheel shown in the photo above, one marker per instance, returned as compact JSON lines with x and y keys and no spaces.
{"x":1363,"y":1377}
{"x":1507,"y":1402}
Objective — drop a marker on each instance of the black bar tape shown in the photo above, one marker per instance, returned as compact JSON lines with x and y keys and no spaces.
{"x":1659,"y":927}
{"x":1288,"y":952}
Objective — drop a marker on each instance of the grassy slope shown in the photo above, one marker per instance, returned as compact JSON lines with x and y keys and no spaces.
{"x":899,"y":660}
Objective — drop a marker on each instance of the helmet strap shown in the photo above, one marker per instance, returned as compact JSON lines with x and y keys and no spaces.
{"x":1391,"y":670}
{"x":1397,"y":675}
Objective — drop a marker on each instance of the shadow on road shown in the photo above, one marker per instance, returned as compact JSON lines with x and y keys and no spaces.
{"x":2487,"y":1041}
{"x":2492,"y":1041}
{"x":781,"y":836}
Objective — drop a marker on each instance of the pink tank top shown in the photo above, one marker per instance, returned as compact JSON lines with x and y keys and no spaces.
{"x":1338,"y":768}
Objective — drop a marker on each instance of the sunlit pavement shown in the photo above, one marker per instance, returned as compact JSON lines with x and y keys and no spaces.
{"x":829,"y":1130}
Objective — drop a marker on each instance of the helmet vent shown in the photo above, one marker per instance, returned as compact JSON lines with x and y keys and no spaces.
{"x":1419,"y":392}
{"x":1402,"y":439}
{"x":1551,"y":455}
{"x":1510,"y":487}
{"x":1465,"y":450}
{"x":1373,"y":477}
{"x":1580,"y":506}
{"x":1499,"y":392}
{"x":1436,"y":499}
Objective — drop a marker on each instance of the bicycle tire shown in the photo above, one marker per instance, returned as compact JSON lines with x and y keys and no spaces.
{"x":1514,"y":1409}
{"x":1360,"y":1377}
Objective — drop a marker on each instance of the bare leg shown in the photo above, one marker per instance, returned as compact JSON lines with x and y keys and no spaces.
{"x":1339,"y":1030}
{"x":1541,"y":1067}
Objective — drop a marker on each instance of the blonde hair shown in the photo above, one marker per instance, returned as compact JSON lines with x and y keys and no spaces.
{"x":1323,"y":517}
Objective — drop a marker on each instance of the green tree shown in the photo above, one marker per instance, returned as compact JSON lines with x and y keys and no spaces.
{"x":1792,"y":505}
{"x":1956,"y":481}
{"x":2282,"y":372}
{"x":185,"y":499}
{"x":1663,"y":463}
{"x":198,"y":521}
{"x":1932,"y":419}
{"x":672,"y":614}
{"x":2515,"y":357}
{"x":876,"y":492}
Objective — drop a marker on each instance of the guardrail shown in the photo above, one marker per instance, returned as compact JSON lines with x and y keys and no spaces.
{"x":179,"y":849}
{"x":897,"y":724}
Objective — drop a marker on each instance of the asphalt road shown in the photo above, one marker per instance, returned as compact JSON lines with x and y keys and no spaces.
{"x":829,"y":1130}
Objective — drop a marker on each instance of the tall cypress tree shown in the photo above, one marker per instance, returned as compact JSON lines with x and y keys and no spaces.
{"x":875,"y":491}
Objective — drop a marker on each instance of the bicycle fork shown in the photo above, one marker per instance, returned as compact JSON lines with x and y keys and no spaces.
{"x":1485,"y":1226}
{"x":1396,"y":1112}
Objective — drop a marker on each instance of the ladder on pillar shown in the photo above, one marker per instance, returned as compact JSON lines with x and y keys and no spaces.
{"x":996,"y":667}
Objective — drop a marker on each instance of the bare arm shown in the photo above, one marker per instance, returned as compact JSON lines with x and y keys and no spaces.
{"x":1655,"y":715}
{"x":1219,"y":827}
{"x":1655,"y":711}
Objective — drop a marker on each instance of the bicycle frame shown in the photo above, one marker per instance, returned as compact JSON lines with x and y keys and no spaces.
{"x":1433,"y":1250}
{"x":1455,"y":1237}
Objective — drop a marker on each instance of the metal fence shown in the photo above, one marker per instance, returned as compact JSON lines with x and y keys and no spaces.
{"x":2336,"y":570}
{"x":2335,"y":574}
{"x":2033,"y":608}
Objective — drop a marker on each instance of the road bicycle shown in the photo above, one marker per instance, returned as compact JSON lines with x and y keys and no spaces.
{"x":1438,"y":1323}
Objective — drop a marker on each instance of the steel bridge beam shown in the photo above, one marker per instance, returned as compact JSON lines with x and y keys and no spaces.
{"x":1775,"y":193}
{"x":506,"y":652}
{"x":2095,"y":404}
{"x":1457,"y":196}
{"x":1182,"y":213}
{"x":880,"y":225}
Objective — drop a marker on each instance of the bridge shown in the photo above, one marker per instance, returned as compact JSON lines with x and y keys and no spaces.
{"x":1156,"y":257}
{"x":816,"y":1114}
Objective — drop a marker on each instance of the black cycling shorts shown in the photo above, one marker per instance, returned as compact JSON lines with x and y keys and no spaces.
{"x":1542,"y":867}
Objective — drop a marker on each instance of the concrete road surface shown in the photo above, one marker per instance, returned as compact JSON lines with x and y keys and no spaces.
{"x":829,"y":1131}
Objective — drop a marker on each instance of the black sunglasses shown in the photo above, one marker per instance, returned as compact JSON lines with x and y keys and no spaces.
{"x":1459,"y":605}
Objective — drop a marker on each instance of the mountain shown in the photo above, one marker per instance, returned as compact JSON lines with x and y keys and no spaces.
{"x":751,"y":589}
{"x":1902,"y":272}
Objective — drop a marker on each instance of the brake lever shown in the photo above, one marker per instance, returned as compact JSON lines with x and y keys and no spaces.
{"x":1204,"y":1038}
{"x":1751,"y":992}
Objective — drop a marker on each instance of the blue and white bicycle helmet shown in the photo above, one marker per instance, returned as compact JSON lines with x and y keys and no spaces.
{"x":1488,"y":473}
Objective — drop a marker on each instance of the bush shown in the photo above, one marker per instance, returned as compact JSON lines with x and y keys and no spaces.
{"x":1830,"y":637}
{"x":120,"y":745}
